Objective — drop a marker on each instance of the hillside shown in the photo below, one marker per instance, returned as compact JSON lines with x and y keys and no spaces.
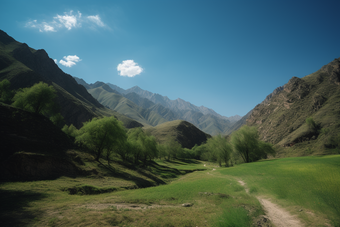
{"x":24,"y":66}
{"x":160,"y":108}
{"x":202,"y":117}
{"x":107,"y":97}
{"x":183,"y":132}
{"x":282,"y":118}
{"x":26,"y":138}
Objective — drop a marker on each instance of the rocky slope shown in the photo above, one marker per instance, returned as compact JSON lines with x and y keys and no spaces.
{"x":281,"y":118}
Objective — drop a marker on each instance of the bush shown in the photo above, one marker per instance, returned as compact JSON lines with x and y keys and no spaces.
{"x":247,"y":143}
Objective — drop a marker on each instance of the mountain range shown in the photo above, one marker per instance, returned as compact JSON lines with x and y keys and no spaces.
{"x":152,"y":109}
{"x":280,"y":118}
{"x":24,"y":66}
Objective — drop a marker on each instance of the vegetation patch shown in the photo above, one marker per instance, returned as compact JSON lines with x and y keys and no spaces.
{"x":87,"y":190}
{"x":310,"y":183}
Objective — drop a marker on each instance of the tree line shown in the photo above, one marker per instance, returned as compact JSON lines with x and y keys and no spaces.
{"x":107,"y":136}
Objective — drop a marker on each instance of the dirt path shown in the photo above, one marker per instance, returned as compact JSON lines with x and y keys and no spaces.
{"x":277,"y":215}
{"x":130,"y":206}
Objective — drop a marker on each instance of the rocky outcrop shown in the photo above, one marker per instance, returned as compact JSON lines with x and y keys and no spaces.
{"x":281,"y":119}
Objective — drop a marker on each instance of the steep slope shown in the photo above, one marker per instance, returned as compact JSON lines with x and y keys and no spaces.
{"x":204,"y":118}
{"x":28,"y":142}
{"x":106,"y":96}
{"x":182,"y":131}
{"x":281,"y":119}
{"x":178,"y":109}
{"x":243,"y":120}
{"x":24,"y":66}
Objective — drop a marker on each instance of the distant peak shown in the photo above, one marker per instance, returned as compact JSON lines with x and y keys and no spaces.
{"x":5,"y":38}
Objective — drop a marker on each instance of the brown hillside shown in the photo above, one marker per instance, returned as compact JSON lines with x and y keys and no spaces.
{"x":281,"y":120}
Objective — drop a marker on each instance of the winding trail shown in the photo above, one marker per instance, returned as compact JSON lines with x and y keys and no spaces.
{"x":277,"y":215}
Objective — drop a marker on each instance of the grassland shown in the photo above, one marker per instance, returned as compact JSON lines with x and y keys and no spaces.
{"x":307,"y":187}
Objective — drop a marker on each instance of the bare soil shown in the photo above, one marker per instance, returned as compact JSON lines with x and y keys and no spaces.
{"x":276,"y":214}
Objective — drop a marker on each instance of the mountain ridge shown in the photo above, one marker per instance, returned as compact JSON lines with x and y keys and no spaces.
{"x":24,"y":66}
{"x":202,"y":117}
{"x":281,"y":119}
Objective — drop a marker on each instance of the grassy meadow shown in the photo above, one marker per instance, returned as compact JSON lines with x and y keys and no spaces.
{"x":307,"y":187}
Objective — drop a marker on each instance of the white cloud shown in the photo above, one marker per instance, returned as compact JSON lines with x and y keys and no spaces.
{"x":68,"y":21}
{"x":70,"y":60}
{"x":42,"y":26}
{"x":48,"y":28}
{"x":129,"y":68}
{"x":96,"y":19}
{"x":55,"y":61}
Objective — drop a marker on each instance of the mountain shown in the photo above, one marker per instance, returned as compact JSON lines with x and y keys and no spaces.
{"x":106,"y":96}
{"x":24,"y":66}
{"x":202,"y":117}
{"x":177,"y":105}
{"x":183,"y":132}
{"x":281,"y":117}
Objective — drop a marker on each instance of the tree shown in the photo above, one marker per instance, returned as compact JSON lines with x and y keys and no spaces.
{"x":38,"y":99}
{"x":143,"y":147}
{"x":70,"y":130}
{"x":220,"y":149}
{"x":102,"y":133}
{"x":246,"y":142}
{"x":6,"y":94}
{"x":314,"y":127}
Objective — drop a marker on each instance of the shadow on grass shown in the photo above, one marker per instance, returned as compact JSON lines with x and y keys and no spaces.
{"x":180,"y":161}
{"x":140,"y":182}
{"x":13,"y":206}
{"x":190,"y":161}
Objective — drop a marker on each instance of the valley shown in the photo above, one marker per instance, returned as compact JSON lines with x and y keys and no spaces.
{"x":215,"y":196}
{"x":171,"y":163}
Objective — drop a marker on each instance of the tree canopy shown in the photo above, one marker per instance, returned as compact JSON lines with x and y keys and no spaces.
{"x":247,"y":143}
{"x":6,"y":94}
{"x":102,"y":133}
{"x":142,"y":146}
{"x":38,"y":99}
{"x":221,"y":149}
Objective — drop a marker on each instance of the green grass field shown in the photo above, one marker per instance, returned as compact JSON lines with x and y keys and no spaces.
{"x":307,"y":183}
{"x":307,"y":187}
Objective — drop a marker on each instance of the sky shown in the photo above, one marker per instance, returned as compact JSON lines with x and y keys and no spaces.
{"x":224,"y":55}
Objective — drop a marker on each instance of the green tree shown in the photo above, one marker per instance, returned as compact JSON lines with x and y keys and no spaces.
{"x":143,"y":147}
{"x":312,"y":125}
{"x":246,"y":142}
{"x":6,"y":94}
{"x":38,"y":99}
{"x":103,"y":133}
{"x":220,"y":148}
{"x":70,"y":130}
{"x":171,"y":149}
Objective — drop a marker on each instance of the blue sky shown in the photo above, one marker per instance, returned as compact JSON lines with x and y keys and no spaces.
{"x":225,"y":55}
